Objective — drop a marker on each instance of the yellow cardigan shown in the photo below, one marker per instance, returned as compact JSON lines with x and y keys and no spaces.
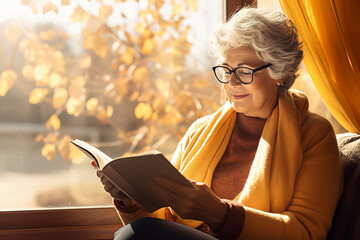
{"x":295,"y":180}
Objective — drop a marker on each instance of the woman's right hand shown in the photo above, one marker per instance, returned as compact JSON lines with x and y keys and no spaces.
{"x":109,"y":187}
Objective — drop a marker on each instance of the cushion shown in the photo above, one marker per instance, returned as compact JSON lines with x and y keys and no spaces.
{"x":346,"y":222}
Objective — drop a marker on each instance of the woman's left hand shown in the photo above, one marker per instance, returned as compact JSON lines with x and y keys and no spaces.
{"x":198,"y":203}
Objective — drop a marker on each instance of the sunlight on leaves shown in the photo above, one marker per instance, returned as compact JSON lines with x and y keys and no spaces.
{"x":128,"y":56}
{"x":37,"y":95}
{"x":105,"y":12}
{"x":48,"y":35}
{"x":91,"y":105}
{"x":95,"y":42}
{"x":49,"y":151}
{"x":12,"y":32}
{"x":64,"y":146}
{"x":65,"y":2}
{"x":141,"y":74}
{"x":28,"y":71}
{"x":41,"y":72}
{"x":109,"y":111}
{"x":143,"y":111}
{"x":74,"y":106}
{"x":148,"y":46}
{"x":7,"y":80}
{"x":59,"y":98}
{"x":128,"y":74}
{"x":85,"y":62}
{"x":49,"y":7}
{"x":53,"y":122}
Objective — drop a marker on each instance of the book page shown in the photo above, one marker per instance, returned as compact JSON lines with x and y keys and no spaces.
{"x":92,"y":152}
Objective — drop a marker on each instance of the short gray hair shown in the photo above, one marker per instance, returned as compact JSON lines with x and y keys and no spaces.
{"x":270,"y":34}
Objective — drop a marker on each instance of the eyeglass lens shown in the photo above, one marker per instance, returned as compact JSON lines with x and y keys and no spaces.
{"x":224,"y":74}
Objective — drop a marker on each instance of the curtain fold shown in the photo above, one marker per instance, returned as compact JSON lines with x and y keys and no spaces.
{"x":330,"y":31}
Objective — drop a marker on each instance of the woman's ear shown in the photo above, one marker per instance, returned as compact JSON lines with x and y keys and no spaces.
{"x":279,"y":82}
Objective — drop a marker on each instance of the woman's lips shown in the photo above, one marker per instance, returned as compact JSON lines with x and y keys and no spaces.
{"x":239,"y":96}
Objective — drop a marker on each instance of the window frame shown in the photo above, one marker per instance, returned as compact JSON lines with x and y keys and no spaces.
{"x":74,"y":223}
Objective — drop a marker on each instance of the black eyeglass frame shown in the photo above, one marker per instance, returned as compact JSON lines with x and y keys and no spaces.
{"x":237,"y":77}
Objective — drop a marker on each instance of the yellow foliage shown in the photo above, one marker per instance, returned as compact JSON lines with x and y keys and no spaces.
{"x":64,"y":147}
{"x":122,"y":87}
{"x":3,"y":88}
{"x":53,"y":122}
{"x":96,"y":42}
{"x":37,"y":95}
{"x":49,"y":7}
{"x":28,"y":71}
{"x":74,"y":106}
{"x":163,"y":87}
{"x":148,"y":46}
{"x":39,"y":137}
{"x":109,"y":111}
{"x":79,"y":16}
{"x":176,"y":9}
{"x":194,"y":5}
{"x":105,"y":12}
{"x":48,"y":35}
{"x":142,"y":30}
{"x":54,"y":80}
{"x":59,"y":98}
{"x":78,"y":81}
{"x":65,"y":2}
{"x":85,"y":62}
{"x":91,"y":105}
{"x":41,"y":72}
{"x":12,"y":32}
{"x":49,"y":151}
{"x":128,"y":56}
{"x":141,"y":74}
{"x":7,"y":80}
{"x":51,"y":137}
{"x":143,"y":111}
{"x":144,"y":62}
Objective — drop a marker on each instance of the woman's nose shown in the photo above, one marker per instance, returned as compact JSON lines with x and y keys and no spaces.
{"x":233,"y":80}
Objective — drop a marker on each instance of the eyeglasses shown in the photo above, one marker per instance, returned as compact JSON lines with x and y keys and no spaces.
{"x":242,"y":74}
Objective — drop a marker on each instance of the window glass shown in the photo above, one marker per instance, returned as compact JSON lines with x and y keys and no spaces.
{"x":124,"y":75}
{"x":304,"y":82}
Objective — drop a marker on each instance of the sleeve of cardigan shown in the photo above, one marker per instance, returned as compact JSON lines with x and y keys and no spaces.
{"x":128,"y":215}
{"x":317,"y":190}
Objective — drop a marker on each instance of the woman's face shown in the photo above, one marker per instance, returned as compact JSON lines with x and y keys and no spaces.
{"x":256,"y":99}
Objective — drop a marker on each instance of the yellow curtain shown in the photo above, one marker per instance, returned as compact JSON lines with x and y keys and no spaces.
{"x":330,"y":31}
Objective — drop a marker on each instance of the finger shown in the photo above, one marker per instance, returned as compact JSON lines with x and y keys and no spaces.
{"x":99,"y":174}
{"x":172,"y":186}
{"x":167,"y":194}
{"x":93,"y":163}
{"x":108,"y":186}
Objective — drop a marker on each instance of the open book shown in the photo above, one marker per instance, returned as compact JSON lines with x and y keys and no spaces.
{"x":132,"y":174}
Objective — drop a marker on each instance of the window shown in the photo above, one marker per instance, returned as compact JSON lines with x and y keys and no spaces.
{"x":127,"y":76}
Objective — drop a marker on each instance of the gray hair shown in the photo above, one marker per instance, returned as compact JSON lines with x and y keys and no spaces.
{"x":270,"y":34}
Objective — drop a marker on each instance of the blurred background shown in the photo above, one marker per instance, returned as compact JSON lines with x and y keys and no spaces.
{"x":125,"y":75}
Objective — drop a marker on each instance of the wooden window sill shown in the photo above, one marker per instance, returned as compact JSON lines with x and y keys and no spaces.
{"x":69,"y":223}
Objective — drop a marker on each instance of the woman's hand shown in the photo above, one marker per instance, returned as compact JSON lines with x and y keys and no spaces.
{"x":198,"y":203}
{"x":109,"y":187}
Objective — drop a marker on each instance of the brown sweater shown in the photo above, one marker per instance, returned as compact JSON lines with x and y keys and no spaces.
{"x":232,"y":171}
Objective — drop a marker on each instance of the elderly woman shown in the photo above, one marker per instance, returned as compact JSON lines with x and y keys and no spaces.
{"x":263,"y":166}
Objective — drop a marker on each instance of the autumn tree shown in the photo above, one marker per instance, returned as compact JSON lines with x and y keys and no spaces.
{"x":135,"y":62}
